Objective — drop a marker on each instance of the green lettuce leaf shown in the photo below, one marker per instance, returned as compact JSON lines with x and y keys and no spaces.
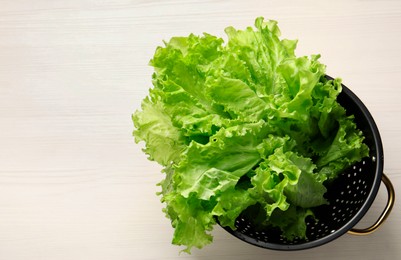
{"x":210,"y":168}
{"x":191,"y":219}
{"x":291,"y":222}
{"x":164,"y":141}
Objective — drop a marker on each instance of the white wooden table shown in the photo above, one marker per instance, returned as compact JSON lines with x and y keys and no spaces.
{"x":74,"y":185}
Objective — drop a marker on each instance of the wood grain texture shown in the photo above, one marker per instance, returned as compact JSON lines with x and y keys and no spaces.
{"x":74,"y":185}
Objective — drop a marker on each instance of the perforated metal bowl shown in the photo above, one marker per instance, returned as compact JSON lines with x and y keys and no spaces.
{"x":350,"y":195}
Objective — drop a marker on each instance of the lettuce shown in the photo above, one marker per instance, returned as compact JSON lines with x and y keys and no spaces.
{"x":243,"y":124}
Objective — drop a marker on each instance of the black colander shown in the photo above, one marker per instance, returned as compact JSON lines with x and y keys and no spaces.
{"x":350,"y":195}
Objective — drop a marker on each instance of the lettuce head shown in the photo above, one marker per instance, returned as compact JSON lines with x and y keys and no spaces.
{"x":241,"y":123}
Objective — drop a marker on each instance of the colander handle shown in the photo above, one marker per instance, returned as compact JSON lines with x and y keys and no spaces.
{"x":385,"y":213}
